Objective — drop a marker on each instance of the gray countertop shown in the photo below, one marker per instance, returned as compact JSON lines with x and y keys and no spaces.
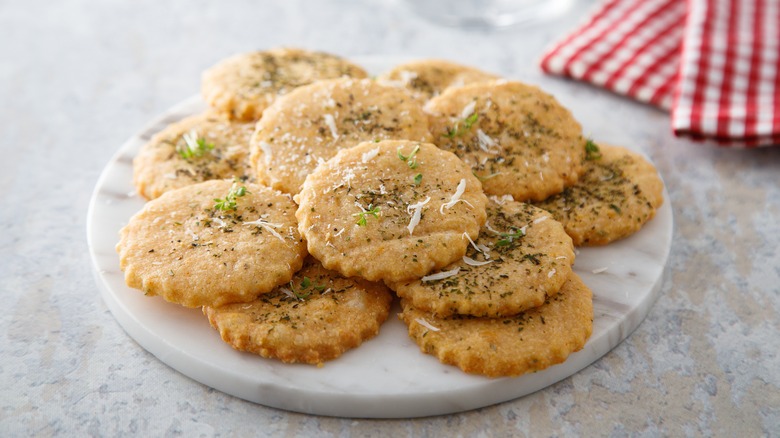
{"x":77,"y":78}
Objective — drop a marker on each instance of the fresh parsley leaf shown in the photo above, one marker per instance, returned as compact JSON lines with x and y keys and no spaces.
{"x":372,"y":211}
{"x":592,"y":151}
{"x":229,"y":202}
{"x":302,"y":293}
{"x":193,"y":146}
{"x":461,"y":128}
{"x":508,"y":238}
{"x":410,"y":160}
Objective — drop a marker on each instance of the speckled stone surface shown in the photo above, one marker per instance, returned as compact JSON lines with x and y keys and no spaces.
{"x":77,"y":78}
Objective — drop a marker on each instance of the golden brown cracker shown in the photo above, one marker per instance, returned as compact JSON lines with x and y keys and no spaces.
{"x":391,"y":210}
{"x":521,"y":258}
{"x":617,"y":193}
{"x":315,"y":318}
{"x":510,"y":346}
{"x":517,"y":139}
{"x":312,"y":123}
{"x":198,"y":148}
{"x":427,"y":78}
{"x":184,"y":248}
{"x":243,"y":85}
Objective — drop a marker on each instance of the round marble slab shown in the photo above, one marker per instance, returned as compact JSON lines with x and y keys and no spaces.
{"x":386,"y":377}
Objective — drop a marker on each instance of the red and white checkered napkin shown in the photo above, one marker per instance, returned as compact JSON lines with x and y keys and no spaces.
{"x":715,"y":64}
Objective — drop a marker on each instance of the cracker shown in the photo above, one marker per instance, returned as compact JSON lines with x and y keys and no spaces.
{"x":521,"y":258}
{"x":317,"y":317}
{"x":312,"y":123}
{"x":617,"y":193}
{"x":392,"y":210}
{"x":517,"y":139}
{"x":198,"y":148}
{"x":243,"y":85}
{"x":427,"y":78}
{"x":184,"y":249}
{"x":511,"y":346}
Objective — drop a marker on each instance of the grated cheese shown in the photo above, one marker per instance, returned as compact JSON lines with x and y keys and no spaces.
{"x":267,"y":154}
{"x":479,"y":248}
{"x":427,"y":324}
{"x":331,"y":123}
{"x":191,"y":234}
{"x":456,"y":197}
{"x":368,"y":156}
{"x":349,"y":175}
{"x":501,"y":200}
{"x":490,"y":228}
{"x":468,"y":109}
{"x":551,"y":273}
{"x":407,"y":77}
{"x":268,"y":226}
{"x":485,"y":141}
{"x":288,"y":292}
{"x":416,"y":211}
{"x":599,"y":270}
{"x":441,"y":275}
{"x":471,"y":262}
{"x":541,"y":219}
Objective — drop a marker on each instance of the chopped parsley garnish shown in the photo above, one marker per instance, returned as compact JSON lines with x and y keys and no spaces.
{"x":229,"y":202}
{"x":372,"y":211}
{"x":194,"y":146}
{"x":410,"y":160}
{"x":592,"y":151}
{"x":460,"y":129}
{"x":508,"y":238}
{"x":302,"y":293}
{"x":418,"y":179}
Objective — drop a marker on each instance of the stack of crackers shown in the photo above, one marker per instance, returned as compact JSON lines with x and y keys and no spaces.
{"x":309,"y":197}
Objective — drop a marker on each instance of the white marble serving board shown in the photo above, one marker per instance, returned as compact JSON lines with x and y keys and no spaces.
{"x":386,"y":377}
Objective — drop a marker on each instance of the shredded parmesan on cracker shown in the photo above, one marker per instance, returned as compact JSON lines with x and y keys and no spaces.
{"x":471,"y":262}
{"x":416,"y":211}
{"x":441,"y":275}
{"x":468,"y":109}
{"x":268,"y":226}
{"x":368,"y":156}
{"x":456,"y":197}
{"x":427,"y":324}
{"x":267,"y":153}
{"x":331,"y":123}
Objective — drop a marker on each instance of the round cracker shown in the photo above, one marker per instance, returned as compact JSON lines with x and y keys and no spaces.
{"x":243,"y":85}
{"x":317,"y":317}
{"x":521,"y":258}
{"x":617,"y":193}
{"x":517,"y":139}
{"x":198,"y":148}
{"x":511,"y":346}
{"x":358,"y":211}
{"x":312,"y":123}
{"x":181,"y":247}
{"x":427,"y":78}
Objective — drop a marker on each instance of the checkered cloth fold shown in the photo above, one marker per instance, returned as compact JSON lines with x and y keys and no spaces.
{"x":715,"y":64}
